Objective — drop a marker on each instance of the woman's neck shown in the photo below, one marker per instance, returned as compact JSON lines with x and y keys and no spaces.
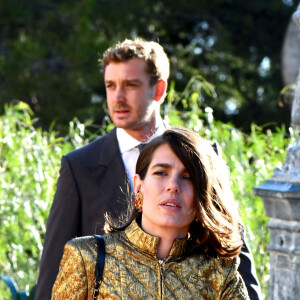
{"x":164,"y":247}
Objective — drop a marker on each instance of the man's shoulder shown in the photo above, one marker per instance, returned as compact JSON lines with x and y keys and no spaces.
{"x":94,"y":147}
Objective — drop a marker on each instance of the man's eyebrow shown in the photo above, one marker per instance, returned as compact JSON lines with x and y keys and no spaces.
{"x":126,"y":80}
{"x":133,"y":80}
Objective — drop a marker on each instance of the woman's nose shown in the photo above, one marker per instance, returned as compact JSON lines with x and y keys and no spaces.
{"x":173,"y":185}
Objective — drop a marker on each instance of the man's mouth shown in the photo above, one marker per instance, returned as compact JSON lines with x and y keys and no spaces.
{"x":121,"y":110}
{"x":121,"y":113}
{"x":121,"y":107}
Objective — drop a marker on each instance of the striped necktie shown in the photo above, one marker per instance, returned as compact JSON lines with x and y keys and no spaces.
{"x":141,"y":146}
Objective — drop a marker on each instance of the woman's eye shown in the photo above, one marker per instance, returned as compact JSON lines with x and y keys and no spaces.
{"x":160,"y":173}
{"x":187,"y":177}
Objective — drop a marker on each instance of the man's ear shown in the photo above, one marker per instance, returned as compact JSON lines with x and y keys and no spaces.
{"x":137,"y":182}
{"x":160,"y":91}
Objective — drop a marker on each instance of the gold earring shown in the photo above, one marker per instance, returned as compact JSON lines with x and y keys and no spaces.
{"x":138,"y":201}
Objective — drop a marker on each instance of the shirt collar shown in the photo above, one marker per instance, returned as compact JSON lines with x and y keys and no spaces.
{"x":127,"y":142}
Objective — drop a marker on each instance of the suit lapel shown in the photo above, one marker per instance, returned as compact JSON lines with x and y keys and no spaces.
{"x":109,"y":149}
{"x":113,"y":179}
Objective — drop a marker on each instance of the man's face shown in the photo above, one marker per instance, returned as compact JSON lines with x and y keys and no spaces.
{"x":130,"y":97}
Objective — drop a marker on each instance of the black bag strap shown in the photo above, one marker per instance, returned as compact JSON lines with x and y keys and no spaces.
{"x":99,"y":265}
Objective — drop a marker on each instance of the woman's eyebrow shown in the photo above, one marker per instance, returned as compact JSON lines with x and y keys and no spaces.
{"x":161,"y":165}
{"x":166,"y":166}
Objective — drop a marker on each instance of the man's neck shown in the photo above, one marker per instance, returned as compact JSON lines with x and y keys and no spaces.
{"x":145,"y":133}
{"x":140,"y":135}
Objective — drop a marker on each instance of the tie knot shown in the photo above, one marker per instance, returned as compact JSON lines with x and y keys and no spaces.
{"x":141,"y":146}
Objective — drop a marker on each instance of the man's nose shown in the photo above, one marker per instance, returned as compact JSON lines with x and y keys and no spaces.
{"x":120,"y":94}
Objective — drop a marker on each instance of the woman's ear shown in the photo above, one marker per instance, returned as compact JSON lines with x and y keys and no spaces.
{"x":137,"y":182}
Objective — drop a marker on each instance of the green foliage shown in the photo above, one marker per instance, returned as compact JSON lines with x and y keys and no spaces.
{"x":29,"y":165}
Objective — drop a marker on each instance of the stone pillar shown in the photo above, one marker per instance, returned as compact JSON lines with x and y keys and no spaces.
{"x":296,"y":102}
{"x":281,"y":197}
{"x":282,"y":204}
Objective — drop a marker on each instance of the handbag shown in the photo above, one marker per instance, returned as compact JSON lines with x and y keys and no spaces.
{"x":99,"y":264}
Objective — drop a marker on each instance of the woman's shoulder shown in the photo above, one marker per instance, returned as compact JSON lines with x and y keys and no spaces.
{"x":228,"y":262}
{"x":224,"y":275}
{"x":85,"y":247}
{"x":223,"y":266}
{"x":82,"y":242}
{"x":89,"y":243}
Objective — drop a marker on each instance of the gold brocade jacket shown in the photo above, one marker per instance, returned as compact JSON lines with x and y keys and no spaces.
{"x":132,"y":270}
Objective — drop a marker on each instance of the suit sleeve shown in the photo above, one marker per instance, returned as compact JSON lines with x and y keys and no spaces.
{"x":62,"y":226}
{"x":71,"y":281}
{"x":248,"y":273}
{"x":246,"y":267}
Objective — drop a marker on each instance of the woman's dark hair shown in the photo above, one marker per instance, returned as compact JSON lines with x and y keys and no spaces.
{"x":216,"y":228}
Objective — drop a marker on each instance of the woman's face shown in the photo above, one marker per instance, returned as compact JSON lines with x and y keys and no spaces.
{"x":168,"y":195}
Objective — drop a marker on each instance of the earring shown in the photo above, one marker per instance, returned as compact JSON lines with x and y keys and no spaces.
{"x":138,"y":201}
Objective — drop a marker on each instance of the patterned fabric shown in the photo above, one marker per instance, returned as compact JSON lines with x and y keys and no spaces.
{"x":132,"y":271}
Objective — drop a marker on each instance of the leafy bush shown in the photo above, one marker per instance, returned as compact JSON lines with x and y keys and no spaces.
{"x":30,"y":160}
{"x":29,"y":164}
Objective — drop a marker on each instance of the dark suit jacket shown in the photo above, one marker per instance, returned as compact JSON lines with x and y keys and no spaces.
{"x":92,"y":181}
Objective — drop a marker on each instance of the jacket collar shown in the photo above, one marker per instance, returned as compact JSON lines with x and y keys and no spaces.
{"x":149,"y":243}
{"x":109,"y":148}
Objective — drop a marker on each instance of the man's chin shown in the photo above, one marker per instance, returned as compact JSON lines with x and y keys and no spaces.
{"x":130,"y":127}
{"x":125,"y":125}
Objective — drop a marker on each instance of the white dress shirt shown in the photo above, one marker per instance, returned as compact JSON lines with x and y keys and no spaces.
{"x":130,"y":152}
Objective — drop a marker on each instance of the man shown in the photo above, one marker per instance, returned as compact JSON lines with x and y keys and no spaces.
{"x":93,"y":179}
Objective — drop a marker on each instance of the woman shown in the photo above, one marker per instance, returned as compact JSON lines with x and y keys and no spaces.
{"x":182,"y":243}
